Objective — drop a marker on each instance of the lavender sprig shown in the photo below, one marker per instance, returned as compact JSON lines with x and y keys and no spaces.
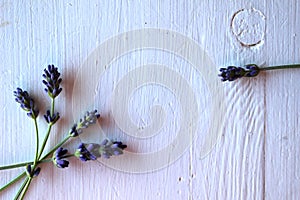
{"x":26,"y":103}
{"x":232,"y":73}
{"x":53,"y":89}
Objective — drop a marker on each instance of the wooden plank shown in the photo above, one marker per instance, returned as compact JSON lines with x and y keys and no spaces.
{"x":282,"y":108}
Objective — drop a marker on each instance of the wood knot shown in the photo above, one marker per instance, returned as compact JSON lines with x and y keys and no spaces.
{"x":248,"y":27}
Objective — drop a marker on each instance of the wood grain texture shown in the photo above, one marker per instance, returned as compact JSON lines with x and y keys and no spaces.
{"x":282,"y":109}
{"x":257,"y":156}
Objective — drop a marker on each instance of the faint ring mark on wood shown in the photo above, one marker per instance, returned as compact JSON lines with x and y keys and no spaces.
{"x":248,"y":27}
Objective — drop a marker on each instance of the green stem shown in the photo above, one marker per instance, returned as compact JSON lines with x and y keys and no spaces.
{"x":68,"y":156}
{"x":28,"y":179}
{"x":21,"y":188}
{"x":48,"y":131}
{"x":13,"y":181}
{"x":45,"y":141}
{"x":23,"y":164}
{"x":22,"y":174}
{"x":43,"y":159}
{"x":38,"y":153}
{"x":26,"y":188}
{"x":37,"y":142}
{"x":280,"y":67}
{"x":52,"y":106}
{"x":56,"y":147}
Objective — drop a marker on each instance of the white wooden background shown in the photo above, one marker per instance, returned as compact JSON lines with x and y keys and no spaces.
{"x":257,"y":156}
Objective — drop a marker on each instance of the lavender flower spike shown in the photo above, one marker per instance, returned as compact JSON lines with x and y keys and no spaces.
{"x":89,"y":119}
{"x":232,"y":73}
{"x":26,"y":103}
{"x":52,"y":81}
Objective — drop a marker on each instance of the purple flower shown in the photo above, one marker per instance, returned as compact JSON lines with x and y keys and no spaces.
{"x":26,"y":103}
{"x":51,"y":119}
{"x":253,"y":70}
{"x":111,"y":148}
{"x":52,"y":81}
{"x":232,"y":73}
{"x":89,"y":119}
{"x":58,"y":158}
{"x":84,"y":154}
{"x":31,"y":173}
{"x":120,"y":145}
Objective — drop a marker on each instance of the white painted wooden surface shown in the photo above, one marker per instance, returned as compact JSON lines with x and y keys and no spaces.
{"x":257,"y":156}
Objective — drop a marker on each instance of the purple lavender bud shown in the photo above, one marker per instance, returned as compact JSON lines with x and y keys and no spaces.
{"x":37,"y":172}
{"x":31,"y":173}
{"x":73,"y":132}
{"x":120,"y":145}
{"x":253,"y":70}
{"x":28,"y":170}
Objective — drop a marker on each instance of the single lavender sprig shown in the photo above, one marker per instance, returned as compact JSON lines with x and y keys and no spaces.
{"x":232,"y":73}
{"x":26,"y":103}
{"x":52,"y":81}
{"x":53,"y":89}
